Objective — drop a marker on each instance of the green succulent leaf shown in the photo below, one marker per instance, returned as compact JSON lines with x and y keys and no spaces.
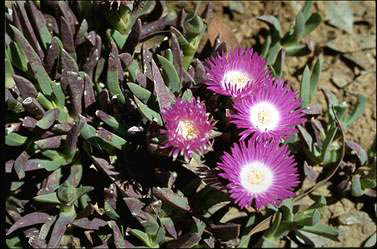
{"x":357,"y":112}
{"x":305,"y":88}
{"x":297,"y":33}
{"x":187,"y":95}
{"x":273,"y":22}
{"x":312,"y":23}
{"x":356,"y":189}
{"x":140,"y":92}
{"x":172,"y":198}
{"x":273,"y":53}
{"x":307,"y":10}
{"x":173,"y":81}
{"x":44,"y":81}
{"x":110,"y":211}
{"x":51,"y":198}
{"x":18,"y":57}
{"x":266,"y":46}
{"x":113,"y":80}
{"x":148,"y":113}
{"x":9,"y":82}
{"x":316,"y":72}
{"x":15,"y":139}
{"x":143,"y":237}
{"x":323,"y":230}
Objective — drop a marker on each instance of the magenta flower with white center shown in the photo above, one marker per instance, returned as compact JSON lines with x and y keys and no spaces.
{"x":259,"y":173}
{"x":271,"y":112}
{"x":188,"y":128}
{"x":234,"y":74}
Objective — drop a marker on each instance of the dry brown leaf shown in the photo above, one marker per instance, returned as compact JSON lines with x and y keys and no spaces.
{"x":218,"y":26}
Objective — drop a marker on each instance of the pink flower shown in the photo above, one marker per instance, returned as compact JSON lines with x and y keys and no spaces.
{"x":259,"y":173}
{"x":234,"y":74}
{"x":271,"y":112}
{"x":188,"y":128}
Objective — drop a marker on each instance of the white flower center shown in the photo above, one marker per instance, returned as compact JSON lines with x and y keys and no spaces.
{"x":256,"y":177}
{"x":187,"y":129}
{"x":236,"y":78}
{"x":264,"y":116}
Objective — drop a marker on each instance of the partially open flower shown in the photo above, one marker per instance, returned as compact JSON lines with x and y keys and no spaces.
{"x":271,"y":112}
{"x":235,"y":73}
{"x":188,"y":128}
{"x":259,"y":173}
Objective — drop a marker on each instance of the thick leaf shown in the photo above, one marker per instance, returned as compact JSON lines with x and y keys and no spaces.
{"x":76,"y":87}
{"x":305,"y":88}
{"x":273,"y":53}
{"x":74,"y":177}
{"x":245,"y":238}
{"x":59,"y":230}
{"x":26,"y":88}
{"x":298,"y":31}
{"x":50,"y":142}
{"x":93,"y":224}
{"x":118,"y":237}
{"x":111,"y":138}
{"x":148,"y":113}
{"x":178,"y":55}
{"x":266,"y":46}
{"x":73,"y":135}
{"x":83,"y":31}
{"x":172,"y":198}
{"x":140,"y":92}
{"x":164,"y":97}
{"x":18,"y":57}
{"x":356,"y":189}
{"x":143,"y":237}
{"x":279,"y":63}
{"x":359,"y":151}
{"x":93,"y":58}
{"x":40,"y":23}
{"x":9,"y":82}
{"x":39,"y":72}
{"x":314,"y":78}
{"x":168,"y":223}
{"x":187,"y":95}
{"x":110,"y":211}
{"x":173,"y":79}
{"x":272,"y":22}
{"x":68,"y":62}
{"x":66,"y":33}
{"x":29,"y":220}
{"x":48,"y":120}
{"x":14,"y":139}
{"x":307,"y":10}
{"x":357,"y":112}
{"x":312,"y":23}
{"x":28,"y":30}
{"x":52,"y":53}
{"x":113,"y":80}
{"x":323,"y":230}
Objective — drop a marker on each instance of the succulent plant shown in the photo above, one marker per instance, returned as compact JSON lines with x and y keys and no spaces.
{"x":112,"y":134}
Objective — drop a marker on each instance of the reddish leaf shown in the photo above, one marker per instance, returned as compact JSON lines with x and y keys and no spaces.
{"x":94,"y":224}
{"x":29,"y":220}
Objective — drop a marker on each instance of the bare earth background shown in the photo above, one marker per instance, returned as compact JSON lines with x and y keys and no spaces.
{"x":349,"y":70}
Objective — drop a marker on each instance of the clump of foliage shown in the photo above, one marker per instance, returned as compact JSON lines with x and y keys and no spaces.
{"x":88,"y":89}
